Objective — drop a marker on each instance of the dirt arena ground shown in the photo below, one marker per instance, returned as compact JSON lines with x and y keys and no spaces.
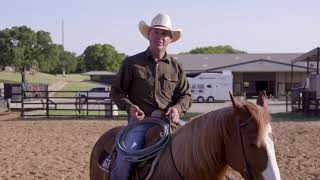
{"x":60,"y":149}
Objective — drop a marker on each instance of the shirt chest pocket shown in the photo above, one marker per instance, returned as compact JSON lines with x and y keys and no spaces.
{"x":169,"y":83}
{"x":142,"y":78}
{"x":140,"y":73}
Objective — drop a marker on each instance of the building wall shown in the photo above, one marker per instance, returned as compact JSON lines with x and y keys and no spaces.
{"x":237,"y":83}
{"x":281,"y":80}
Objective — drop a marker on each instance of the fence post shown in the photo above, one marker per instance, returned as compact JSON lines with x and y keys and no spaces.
{"x":87,"y":103}
{"x":22,"y":101}
{"x":47,"y":104}
{"x":286,"y":101}
{"x":111,"y":108}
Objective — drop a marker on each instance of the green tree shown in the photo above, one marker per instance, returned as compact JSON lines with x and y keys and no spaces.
{"x":68,"y":61}
{"x":6,"y":54}
{"x":81,"y":66}
{"x":24,"y":41}
{"x":102,"y":58}
{"x":23,"y":49}
{"x":215,"y":50}
{"x":49,"y":58}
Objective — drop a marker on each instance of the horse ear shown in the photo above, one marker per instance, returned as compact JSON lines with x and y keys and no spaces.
{"x":262,"y":99}
{"x":235,"y":103}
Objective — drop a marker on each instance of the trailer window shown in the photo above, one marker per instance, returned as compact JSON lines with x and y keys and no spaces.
{"x":200,"y":91}
{"x":209,"y":86}
{"x":201,"y":86}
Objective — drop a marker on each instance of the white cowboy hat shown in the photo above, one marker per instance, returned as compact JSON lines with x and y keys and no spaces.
{"x":160,"y":21}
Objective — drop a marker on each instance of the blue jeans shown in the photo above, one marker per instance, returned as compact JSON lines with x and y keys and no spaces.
{"x":135,"y":141}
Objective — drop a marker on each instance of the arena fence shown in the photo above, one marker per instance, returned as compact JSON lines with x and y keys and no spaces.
{"x":64,"y":103}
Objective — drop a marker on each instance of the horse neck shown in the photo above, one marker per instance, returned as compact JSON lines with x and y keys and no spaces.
{"x":199,"y":146}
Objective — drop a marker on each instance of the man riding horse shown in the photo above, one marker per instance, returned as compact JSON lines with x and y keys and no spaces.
{"x":148,"y":82}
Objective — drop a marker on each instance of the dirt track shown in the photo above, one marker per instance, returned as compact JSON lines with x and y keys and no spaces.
{"x":60,"y":149}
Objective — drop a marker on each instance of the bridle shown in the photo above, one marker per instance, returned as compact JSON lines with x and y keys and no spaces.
{"x":246,"y":170}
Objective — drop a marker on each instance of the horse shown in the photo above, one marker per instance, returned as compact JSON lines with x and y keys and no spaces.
{"x":239,"y":136}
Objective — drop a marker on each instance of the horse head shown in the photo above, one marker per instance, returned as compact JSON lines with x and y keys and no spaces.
{"x":250,"y":150}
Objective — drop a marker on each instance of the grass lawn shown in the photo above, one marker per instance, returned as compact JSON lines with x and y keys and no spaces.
{"x":39,"y":77}
{"x":32,"y":78}
{"x":295,"y":117}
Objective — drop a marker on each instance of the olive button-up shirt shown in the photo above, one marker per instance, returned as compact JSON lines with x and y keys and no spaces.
{"x":151,"y":85}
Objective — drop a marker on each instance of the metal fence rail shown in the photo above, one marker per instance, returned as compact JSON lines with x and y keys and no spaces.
{"x":65,"y":103}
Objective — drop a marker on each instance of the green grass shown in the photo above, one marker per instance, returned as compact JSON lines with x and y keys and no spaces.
{"x":295,"y":117}
{"x":31,"y":78}
{"x":39,"y":77}
{"x":74,"y":77}
{"x":77,"y":86}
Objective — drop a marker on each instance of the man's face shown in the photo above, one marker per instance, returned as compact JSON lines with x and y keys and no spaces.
{"x":159,"y":38}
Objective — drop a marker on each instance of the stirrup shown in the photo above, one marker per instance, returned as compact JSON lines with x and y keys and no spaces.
{"x":106,"y":163}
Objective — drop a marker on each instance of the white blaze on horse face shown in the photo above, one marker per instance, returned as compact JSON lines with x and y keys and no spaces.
{"x":272,"y":170}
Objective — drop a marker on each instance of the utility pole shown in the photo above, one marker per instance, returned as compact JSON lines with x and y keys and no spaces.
{"x":63,"y":63}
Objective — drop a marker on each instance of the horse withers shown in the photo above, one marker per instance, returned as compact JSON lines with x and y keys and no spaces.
{"x":239,"y":136}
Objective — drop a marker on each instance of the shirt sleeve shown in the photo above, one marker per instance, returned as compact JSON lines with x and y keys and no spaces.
{"x":183,"y":93}
{"x":120,"y":87}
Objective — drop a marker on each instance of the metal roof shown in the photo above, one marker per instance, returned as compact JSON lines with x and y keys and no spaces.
{"x":312,"y":55}
{"x":203,"y":62}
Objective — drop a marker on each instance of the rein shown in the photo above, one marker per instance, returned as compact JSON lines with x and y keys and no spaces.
{"x":170,"y":148}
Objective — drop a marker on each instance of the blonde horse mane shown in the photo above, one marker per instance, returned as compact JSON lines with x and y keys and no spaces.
{"x":207,"y":133}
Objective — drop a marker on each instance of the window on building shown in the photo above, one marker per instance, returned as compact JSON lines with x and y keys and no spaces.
{"x":201,"y":86}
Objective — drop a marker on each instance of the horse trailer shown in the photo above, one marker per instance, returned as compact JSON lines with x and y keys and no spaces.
{"x":210,"y":87}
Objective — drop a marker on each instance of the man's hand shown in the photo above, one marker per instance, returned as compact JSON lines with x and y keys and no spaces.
{"x":173,"y":114}
{"x":136,"y":113}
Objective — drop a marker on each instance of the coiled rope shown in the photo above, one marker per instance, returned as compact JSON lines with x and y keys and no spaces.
{"x":148,"y":152}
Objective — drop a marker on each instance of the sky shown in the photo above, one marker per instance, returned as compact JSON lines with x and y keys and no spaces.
{"x":254,"y":26}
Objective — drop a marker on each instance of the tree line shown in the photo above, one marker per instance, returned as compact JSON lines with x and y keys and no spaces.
{"x":23,"y":49}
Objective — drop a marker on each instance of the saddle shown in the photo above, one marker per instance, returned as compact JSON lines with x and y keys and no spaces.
{"x":139,"y":170}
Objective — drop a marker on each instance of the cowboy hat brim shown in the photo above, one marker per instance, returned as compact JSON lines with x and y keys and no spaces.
{"x":144,"y":29}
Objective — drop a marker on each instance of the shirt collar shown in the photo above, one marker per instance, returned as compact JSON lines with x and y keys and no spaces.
{"x":166,"y":57}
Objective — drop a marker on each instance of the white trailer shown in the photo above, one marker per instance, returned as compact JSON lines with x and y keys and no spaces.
{"x":209,"y":87}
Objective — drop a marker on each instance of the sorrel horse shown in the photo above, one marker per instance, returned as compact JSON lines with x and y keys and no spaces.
{"x":238,"y":136}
